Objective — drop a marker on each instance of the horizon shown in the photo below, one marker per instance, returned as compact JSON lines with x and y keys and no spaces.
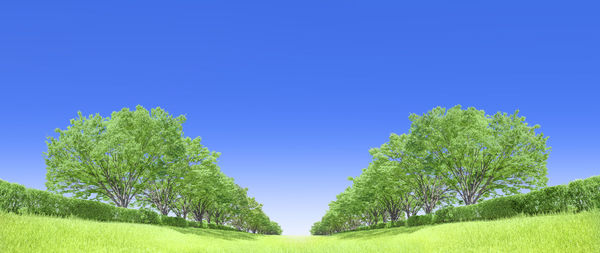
{"x":294,"y":95}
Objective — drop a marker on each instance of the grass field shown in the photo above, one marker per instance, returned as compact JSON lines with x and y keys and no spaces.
{"x":552,"y":233}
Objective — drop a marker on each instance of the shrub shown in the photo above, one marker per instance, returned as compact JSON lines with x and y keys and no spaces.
{"x":194,"y":224}
{"x":497,"y":208}
{"x":464,"y":213}
{"x":427,"y":219}
{"x":173,"y":221}
{"x":18,"y":199}
{"x":91,"y":210}
{"x":517,"y":202}
{"x":594,"y":187}
{"x":399,"y":223}
{"x":581,"y":194}
{"x":149,"y":217}
{"x":552,"y":199}
{"x":443,"y":215}
{"x":362,"y":228}
{"x":127,"y":215}
{"x":412,"y":221}
{"x":392,"y":224}
{"x":378,"y":225}
{"x":419,"y":220}
{"x":11,"y":196}
{"x":42,"y":203}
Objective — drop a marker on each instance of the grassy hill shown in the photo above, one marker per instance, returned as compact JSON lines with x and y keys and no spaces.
{"x":552,"y":233}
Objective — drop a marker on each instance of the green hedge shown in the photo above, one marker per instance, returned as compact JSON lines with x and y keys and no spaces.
{"x":498,"y":208}
{"x":584,"y":193}
{"x":377,"y":226}
{"x":173,"y":221}
{"x":149,"y":216}
{"x":579,"y":195}
{"x":398,"y":223}
{"x":419,"y":220}
{"x":19,"y":199}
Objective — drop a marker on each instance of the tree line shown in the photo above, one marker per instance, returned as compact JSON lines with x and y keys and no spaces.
{"x":142,"y":158}
{"x":449,"y":157}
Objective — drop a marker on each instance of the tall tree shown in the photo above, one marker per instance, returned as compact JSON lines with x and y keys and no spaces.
{"x":167,"y":181}
{"x":479,"y":155}
{"x":424,"y":185}
{"x":203,"y":184}
{"x":112,"y":158}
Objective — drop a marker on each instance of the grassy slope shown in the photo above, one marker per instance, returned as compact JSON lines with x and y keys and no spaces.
{"x":554,"y":233}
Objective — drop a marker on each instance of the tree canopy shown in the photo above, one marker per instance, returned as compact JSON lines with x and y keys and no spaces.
{"x":142,"y":157}
{"x":449,"y":156}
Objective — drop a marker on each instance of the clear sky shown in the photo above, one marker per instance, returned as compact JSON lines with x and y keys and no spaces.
{"x":294,"y":94}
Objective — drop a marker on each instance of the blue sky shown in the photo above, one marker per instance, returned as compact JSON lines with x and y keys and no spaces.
{"x":294,"y":94}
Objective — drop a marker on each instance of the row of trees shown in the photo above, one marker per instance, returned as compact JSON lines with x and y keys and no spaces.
{"x":449,"y":157}
{"x":142,"y":158}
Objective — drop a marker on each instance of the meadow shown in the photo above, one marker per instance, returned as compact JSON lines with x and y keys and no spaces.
{"x":566,"y":232}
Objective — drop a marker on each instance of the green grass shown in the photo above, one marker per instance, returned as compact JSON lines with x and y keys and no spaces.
{"x":552,"y":233}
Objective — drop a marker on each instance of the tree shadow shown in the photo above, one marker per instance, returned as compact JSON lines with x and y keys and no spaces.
{"x":215,"y":233}
{"x":367,"y":234}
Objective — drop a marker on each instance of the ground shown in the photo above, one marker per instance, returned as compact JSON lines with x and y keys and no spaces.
{"x":550,"y":233}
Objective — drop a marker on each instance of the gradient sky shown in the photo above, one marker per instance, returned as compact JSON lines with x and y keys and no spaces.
{"x":294,"y":94}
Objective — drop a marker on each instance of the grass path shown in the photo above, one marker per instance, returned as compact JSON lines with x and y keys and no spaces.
{"x":552,"y":233}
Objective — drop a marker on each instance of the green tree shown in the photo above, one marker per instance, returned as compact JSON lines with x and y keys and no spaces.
{"x":203,"y":184}
{"x":421,"y":183}
{"x":113,"y":158}
{"x":168,"y":179}
{"x":479,"y":155}
{"x":225,"y":201}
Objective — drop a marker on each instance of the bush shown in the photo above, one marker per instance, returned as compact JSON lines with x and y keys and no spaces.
{"x":594,"y":187}
{"x":578,"y":195}
{"x":419,"y":220}
{"x":427,"y":219}
{"x":128,"y":215}
{"x":399,"y":223}
{"x":11,"y":196}
{"x":518,"y":202}
{"x":42,"y":203}
{"x":443,"y":215}
{"x":412,"y":221}
{"x":173,"y":221}
{"x":91,"y":210}
{"x":362,"y":228}
{"x":552,"y":199}
{"x":149,"y":217}
{"x":581,"y":194}
{"x":194,"y":224}
{"x":377,"y":226}
{"x":464,"y":213}
{"x":18,"y":199}
{"x":497,"y":208}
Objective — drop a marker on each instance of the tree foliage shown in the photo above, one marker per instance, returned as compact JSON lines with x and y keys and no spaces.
{"x":479,"y":155}
{"x":448,"y":157}
{"x":142,"y":157}
{"x":113,"y":158}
